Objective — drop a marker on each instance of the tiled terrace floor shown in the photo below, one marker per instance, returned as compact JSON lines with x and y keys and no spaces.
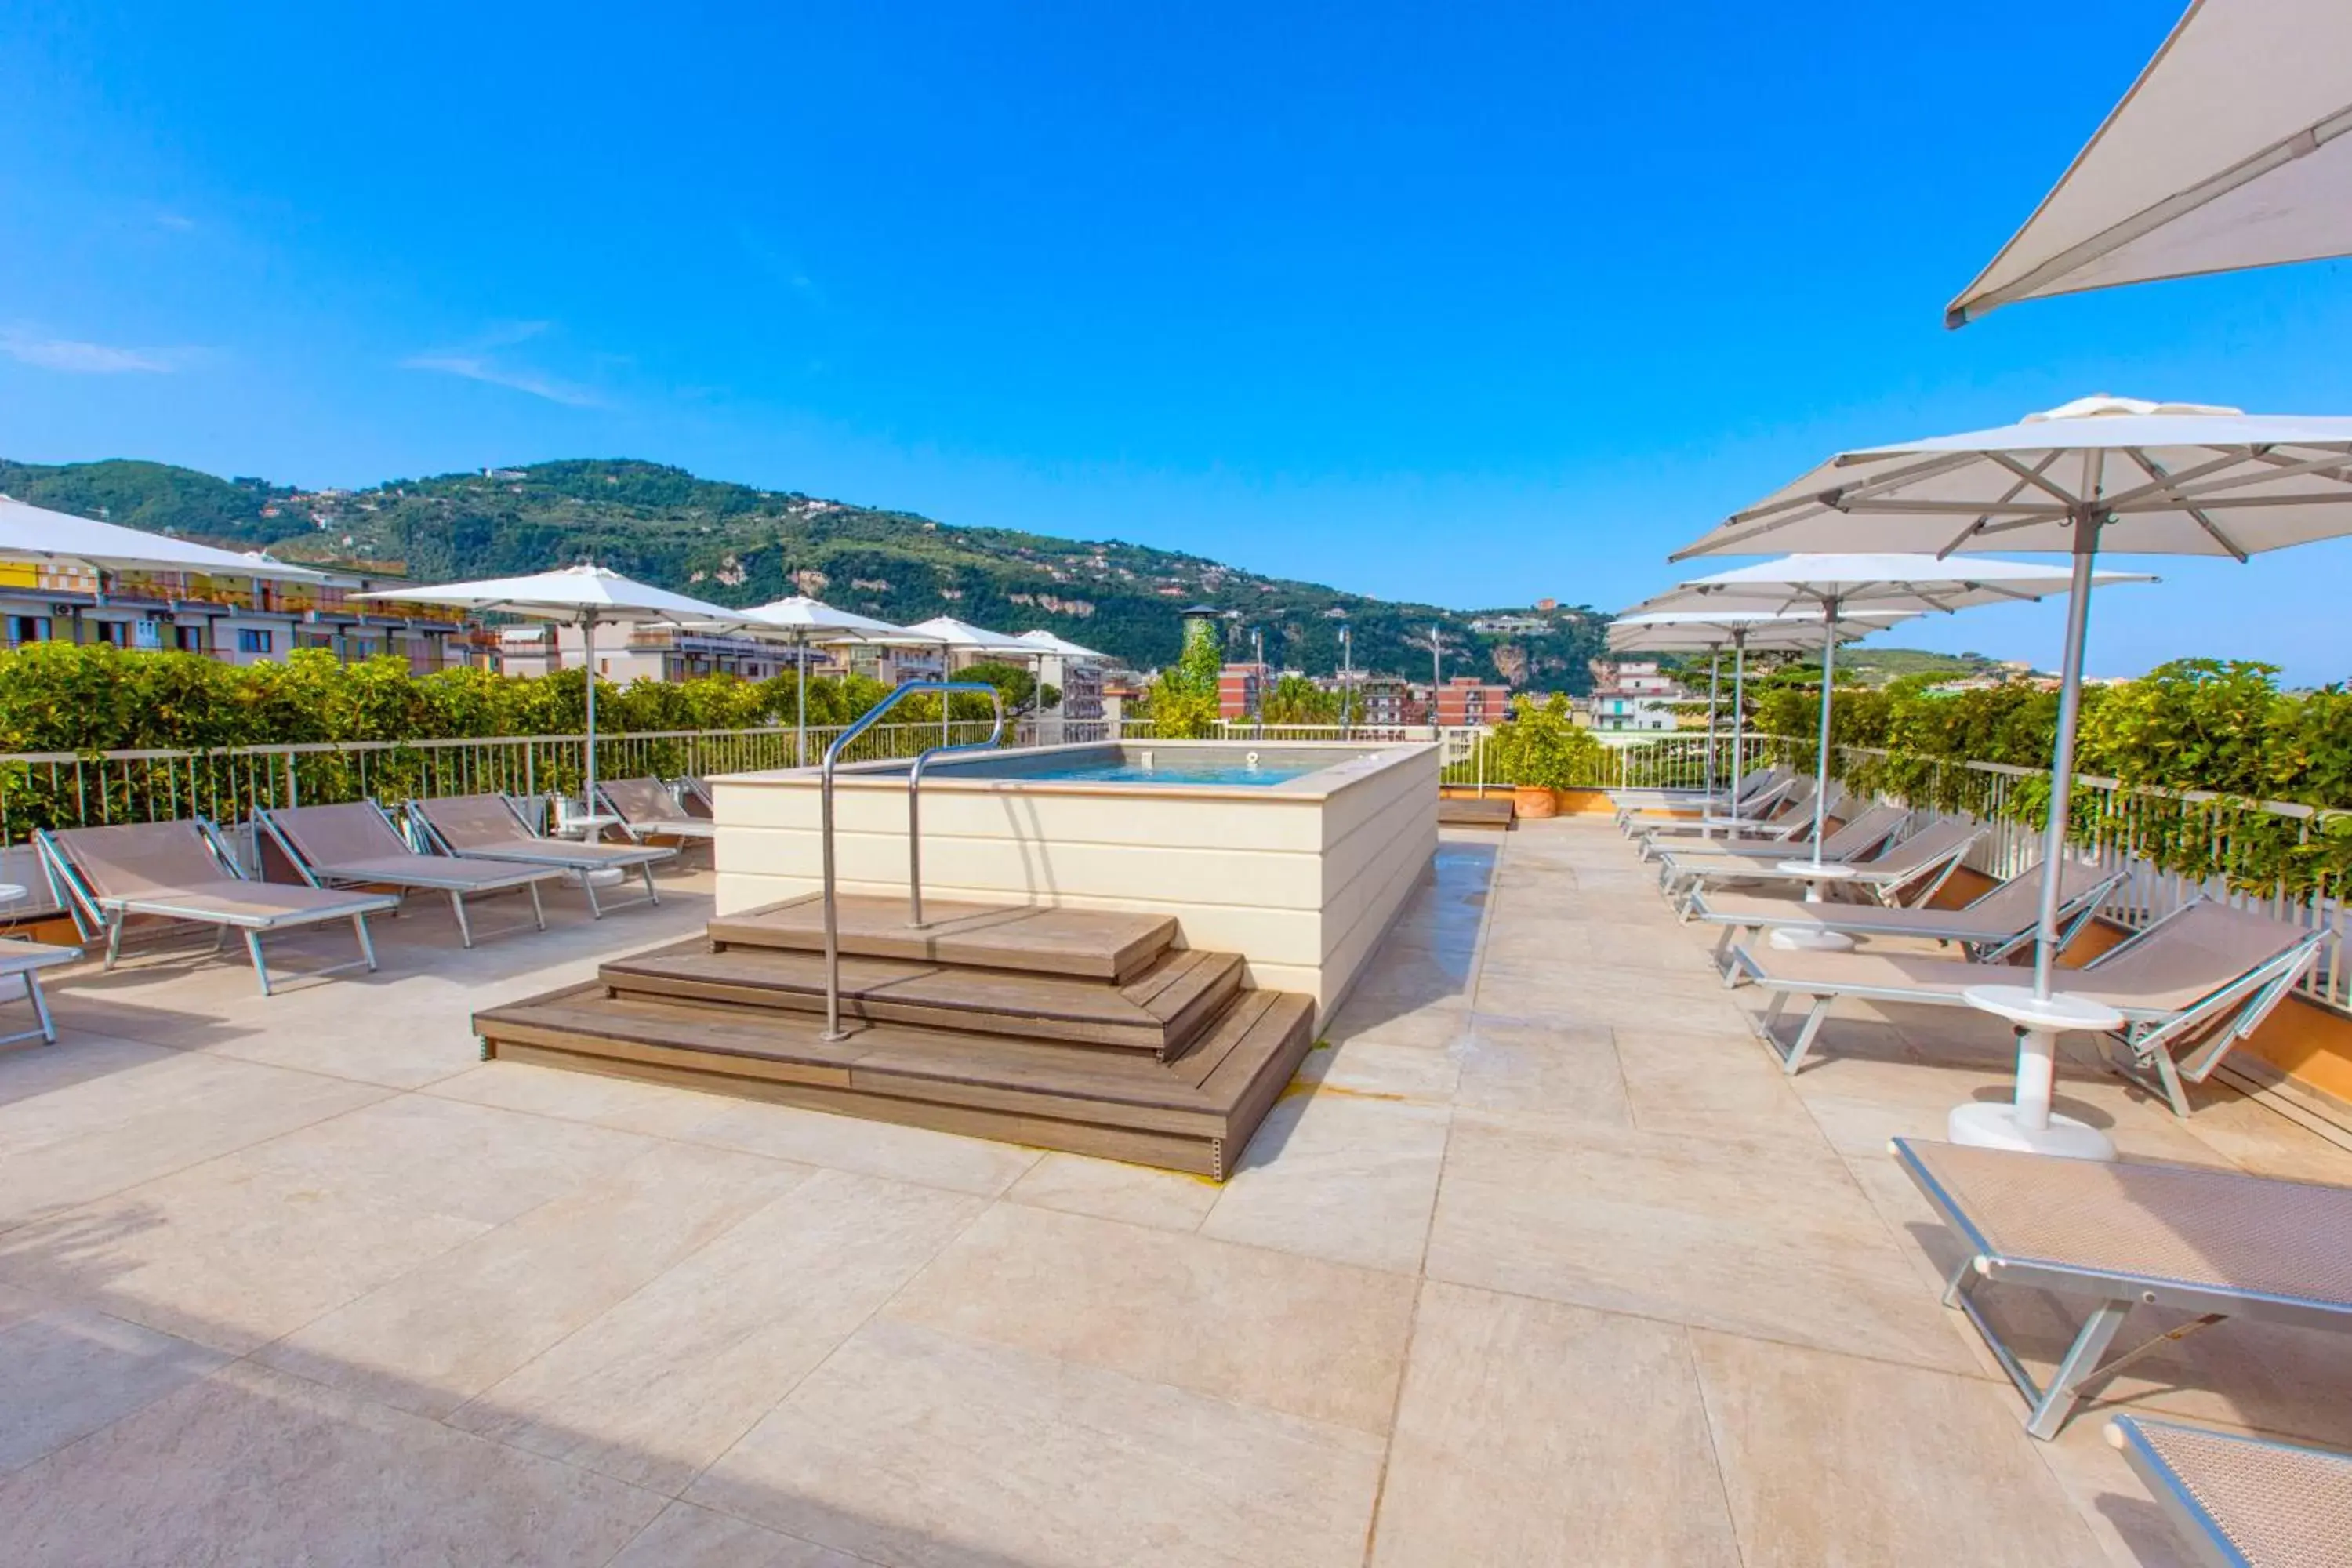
{"x":1543,"y":1262}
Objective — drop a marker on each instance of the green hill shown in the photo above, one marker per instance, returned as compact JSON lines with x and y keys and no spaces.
{"x":740,"y":545}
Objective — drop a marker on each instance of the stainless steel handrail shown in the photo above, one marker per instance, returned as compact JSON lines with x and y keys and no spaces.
{"x":832,"y":1029}
{"x":915,"y":920}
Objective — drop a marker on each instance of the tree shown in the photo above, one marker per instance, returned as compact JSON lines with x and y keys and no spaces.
{"x":1295,"y":699}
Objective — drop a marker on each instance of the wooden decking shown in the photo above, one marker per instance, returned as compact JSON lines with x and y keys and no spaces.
{"x":1070,"y":1029}
{"x":1498,"y":813}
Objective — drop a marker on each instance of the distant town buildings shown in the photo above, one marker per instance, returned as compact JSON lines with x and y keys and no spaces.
{"x":1633,"y":695}
{"x":1511,"y":626}
{"x":1242,"y":689}
{"x":1467,"y":700}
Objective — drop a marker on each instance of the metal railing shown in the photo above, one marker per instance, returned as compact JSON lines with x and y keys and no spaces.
{"x":833,"y":754}
{"x":2170,"y":848}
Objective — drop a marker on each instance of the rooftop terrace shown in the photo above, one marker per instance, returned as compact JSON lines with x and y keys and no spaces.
{"x":1541,"y":1260}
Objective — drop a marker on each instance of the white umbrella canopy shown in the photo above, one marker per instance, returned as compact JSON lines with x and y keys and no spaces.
{"x":37,"y":533}
{"x":1710,"y":632}
{"x":803,"y":621}
{"x":963,"y":635}
{"x":581,"y":596}
{"x":2228,"y":152}
{"x":1062,"y":646}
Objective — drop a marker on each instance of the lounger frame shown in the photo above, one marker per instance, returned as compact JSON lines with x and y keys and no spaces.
{"x":583,"y":875}
{"x":2086,"y":1360}
{"x":94,"y":915}
{"x":2206,"y":1536}
{"x":25,"y":961}
{"x":685,"y":829}
{"x":422,"y":879}
{"x":1912,"y":885}
{"x":1765,"y":790}
{"x":1856,"y":920}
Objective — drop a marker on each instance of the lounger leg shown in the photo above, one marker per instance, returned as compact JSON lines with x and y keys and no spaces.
{"x":40,"y":1005}
{"x":2081,"y":1363}
{"x":457,"y":908}
{"x":588,"y":886}
{"x":2168,"y":1074}
{"x":253,"y":950}
{"x":538,"y":907}
{"x":114,"y":942}
{"x":367,"y":942}
{"x":653,"y":894}
{"x":1803,"y":1043}
{"x":1957,"y":1287}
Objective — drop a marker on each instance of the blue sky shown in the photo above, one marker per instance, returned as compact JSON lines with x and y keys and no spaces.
{"x":1464,"y":303}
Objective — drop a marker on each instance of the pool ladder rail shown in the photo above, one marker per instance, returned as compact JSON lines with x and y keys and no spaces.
{"x":914,"y":921}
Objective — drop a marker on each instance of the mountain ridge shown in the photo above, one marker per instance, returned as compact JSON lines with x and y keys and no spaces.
{"x":740,"y":544}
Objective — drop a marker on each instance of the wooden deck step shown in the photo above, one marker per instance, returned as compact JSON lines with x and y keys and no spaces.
{"x":1497,"y":814}
{"x":1159,"y":1011}
{"x":1191,"y":1112}
{"x":1086,"y":944}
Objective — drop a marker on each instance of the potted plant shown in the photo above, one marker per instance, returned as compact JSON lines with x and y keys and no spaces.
{"x":1542,"y":752}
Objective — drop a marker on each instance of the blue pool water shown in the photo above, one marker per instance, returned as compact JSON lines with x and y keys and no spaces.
{"x":1144,"y":765}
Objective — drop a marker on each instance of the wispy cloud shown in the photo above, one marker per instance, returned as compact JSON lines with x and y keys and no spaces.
{"x":179,"y":223}
{"x":481,"y":361}
{"x":76,"y":357}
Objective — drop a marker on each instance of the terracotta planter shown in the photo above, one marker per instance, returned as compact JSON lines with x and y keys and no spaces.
{"x":1529,"y":801}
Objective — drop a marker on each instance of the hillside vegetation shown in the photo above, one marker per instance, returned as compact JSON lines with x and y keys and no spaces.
{"x":740,"y":545}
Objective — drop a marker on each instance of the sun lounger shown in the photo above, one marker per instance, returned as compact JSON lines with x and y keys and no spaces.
{"x":647,"y":809}
{"x":183,"y":871}
{"x":2243,"y":1502}
{"x":2209,"y":1243}
{"x":1753,"y":787}
{"x":357,"y":845}
{"x":488,"y":827}
{"x":1862,"y":834}
{"x":1990,"y":928}
{"x":694,"y":796}
{"x":23,"y":962}
{"x":1786,"y":812}
{"x":2190,"y":987}
{"x":1909,"y":871}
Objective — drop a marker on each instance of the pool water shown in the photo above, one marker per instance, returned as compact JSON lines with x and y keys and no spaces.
{"x":1180,"y":769}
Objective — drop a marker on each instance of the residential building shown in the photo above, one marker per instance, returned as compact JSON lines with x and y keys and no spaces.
{"x":1634,"y":695}
{"x":1386,"y":700}
{"x":1512,"y":625}
{"x":1242,"y":689}
{"x":236,"y":620}
{"x":645,"y":651}
{"x":1467,"y":700}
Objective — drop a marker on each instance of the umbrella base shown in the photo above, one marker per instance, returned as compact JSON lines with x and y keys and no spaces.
{"x":1988,"y":1125}
{"x":1792,"y":939}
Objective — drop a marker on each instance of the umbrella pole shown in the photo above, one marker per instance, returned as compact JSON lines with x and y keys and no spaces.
{"x":588,"y":658}
{"x":800,"y":689}
{"x":1822,"y":763}
{"x":2062,"y":761}
{"x":1738,"y":716}
{"x":1714,"y":694}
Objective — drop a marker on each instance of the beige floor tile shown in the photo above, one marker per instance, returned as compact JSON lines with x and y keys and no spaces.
{"x":1531,"y":1432}
{"x":685,"y":1536}
{"x":1765,"y":1237}
{"x":442,"y":1157}
{"x":1434,"y":1026}
{"x":73,"y":1142}
{"x":1720,"y":1085}
{"x":1382,"y":1071}
{"x":1075,"y":1183}
{"x":2254,"y":1138}
{"x":868,"y":1148}
{"x":656,"y":1387}
{"x":1269,"y":1328}
{"x":444,"y":1332}
{"x":65,"y":1371}
{"x":2112,"y":1502}
{"x":1570,"y":1072}
{"x":30,"y":1069}
{"x":1861,"y":1102}
{"x":620,"y":1102}
{"x":915,"y":1448}
{"x":1337,"y":1176}
{"x":1830,"y":1460}
{"x":250,"y":1466}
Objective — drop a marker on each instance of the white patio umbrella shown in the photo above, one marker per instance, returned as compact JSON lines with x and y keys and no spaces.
{"x":2143,"y":478}
{"x":1069,"y":653}
{"x":1710,"y":632}
{"x":805,"y":622}
{"x":581,"y":596}
{"x":2229,"y":152}
{"x":970,"y":638}
{"x":1833,"y":586}
{"x":37,"y":533}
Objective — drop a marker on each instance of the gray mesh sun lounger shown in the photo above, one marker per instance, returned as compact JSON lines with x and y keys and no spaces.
{"x":1757,"y":783}
{"x":23,"y":961}
{"x":1866,"y":832}
{"x":487,"y":828}
{"x":1986,"y":930}
{"x":357,"y":845}
{"x":2243,"y":1502}
{"x":2190,"y":987}
{"x":2211,"y":1244}
{"x":182,"y":871}
{"x":647,"y":809}
{"x":1909,"y":871}
{"x":1785,"y":811}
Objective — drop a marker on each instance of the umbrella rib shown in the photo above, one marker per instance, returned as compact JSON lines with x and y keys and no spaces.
{"x":2174,"y":485}
{"x":2033,"y":475}
{"x":2183,"y":485}
{"x":2155,"y":470}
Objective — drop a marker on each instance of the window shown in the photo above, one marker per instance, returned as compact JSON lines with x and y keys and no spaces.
{"x":249,"y":640}
{"x":27,"y":629}
{"x":188,"y":639}
{"x":115,"y":632}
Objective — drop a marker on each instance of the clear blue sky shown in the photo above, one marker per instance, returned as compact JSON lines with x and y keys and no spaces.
{"x":1465,"y":303}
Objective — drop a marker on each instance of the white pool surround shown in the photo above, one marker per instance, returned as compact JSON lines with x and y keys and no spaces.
{"x":1301,"y":877}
